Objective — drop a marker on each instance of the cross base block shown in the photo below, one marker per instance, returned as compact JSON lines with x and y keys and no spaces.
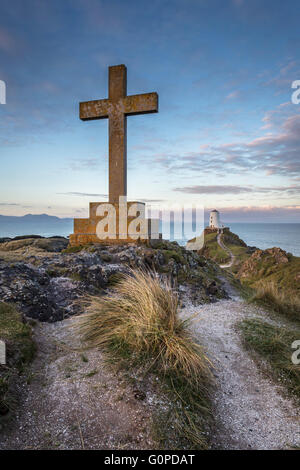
{"x":87,"y":230}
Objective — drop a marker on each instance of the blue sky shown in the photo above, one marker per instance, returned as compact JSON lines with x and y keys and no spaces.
{"x":226,"y":135}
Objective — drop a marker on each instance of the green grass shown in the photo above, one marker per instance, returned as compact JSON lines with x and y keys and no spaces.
{"x":284,"y":302}
{"x":213,"y":250}
{"x":273,"y":345}
{"x":284,"y":275}
{"x":138,"y":327}
{"x":168,"y":254}
{"x":91,"y":373}
{"x":20,"y":350}
{"x":73,"y":249}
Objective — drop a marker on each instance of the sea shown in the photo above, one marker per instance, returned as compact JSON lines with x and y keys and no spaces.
{"x":260,"y":235}
{"x":268,"y":235}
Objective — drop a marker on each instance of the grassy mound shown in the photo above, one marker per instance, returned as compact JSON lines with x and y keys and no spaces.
{"x":19,"y":352}
{"x":273,"y":344}
{"x":274,"y":266}
{"x":138,"y":325}
{"x":212,"y":249}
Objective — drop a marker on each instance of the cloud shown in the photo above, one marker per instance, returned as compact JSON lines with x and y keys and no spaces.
{"x":84,"y":164}
{"x":227,"y":189}
{"x":233,"y":95}
{"x":9,"y":204}
{"x":274,"y":153}
{"x":16,"y":204}
{"x":75,"y":193}
{"x":262,"y":214}
{"x":282,"y":81}
{"x":213,"y":189}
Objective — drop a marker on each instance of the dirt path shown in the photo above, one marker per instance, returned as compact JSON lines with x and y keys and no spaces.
{"x":74,"y":402}
{"x":227,"y":250}
{"x":249,"y":409}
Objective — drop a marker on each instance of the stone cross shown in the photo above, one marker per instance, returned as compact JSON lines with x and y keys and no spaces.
{"x":116,"y":108}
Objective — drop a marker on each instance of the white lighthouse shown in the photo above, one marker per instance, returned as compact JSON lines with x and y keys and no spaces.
{"x":214,"y":219}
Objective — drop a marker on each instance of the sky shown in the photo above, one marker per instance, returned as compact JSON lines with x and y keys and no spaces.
{"x":227,"y":135}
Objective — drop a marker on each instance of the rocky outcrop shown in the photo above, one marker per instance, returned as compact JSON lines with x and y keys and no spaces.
{"x":48,"y":281}
{"x":52,"y":244}
{"x":230,"y":238}
{"x":262,"y":261}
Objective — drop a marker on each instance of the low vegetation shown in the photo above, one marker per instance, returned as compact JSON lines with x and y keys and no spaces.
{"x":212,"y":249}
{"x":273,"y":345}
{"x":272,"y":265}
{"x":20,"y":350}
{"x":138,"y":326}
{"x":282,"y":301}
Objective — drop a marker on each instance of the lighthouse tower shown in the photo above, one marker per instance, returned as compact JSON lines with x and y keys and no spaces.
{"x":214,"y":219}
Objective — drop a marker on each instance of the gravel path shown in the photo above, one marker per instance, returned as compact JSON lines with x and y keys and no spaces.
{"x":250,"y":410}
{"x":227,"y":250}
{"x":73,"y":401}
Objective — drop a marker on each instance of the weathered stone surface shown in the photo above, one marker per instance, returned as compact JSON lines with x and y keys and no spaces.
{"x":262,"y":260}
{"x":48,"y":286}
{"x":116,"y":108}
{"x":85,"y":230}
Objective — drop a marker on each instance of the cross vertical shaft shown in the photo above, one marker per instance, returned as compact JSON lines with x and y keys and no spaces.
{"x":117,"y":134}
{"x":116,"y":108}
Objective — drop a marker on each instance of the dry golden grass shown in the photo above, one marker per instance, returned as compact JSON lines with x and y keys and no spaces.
{"x":138,"y":325}
{"x":279,"y":300}
{"x":140,"y":316}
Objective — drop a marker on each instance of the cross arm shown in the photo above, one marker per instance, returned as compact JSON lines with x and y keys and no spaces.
{"x":141,"y":104}
{"x":97,"y":109}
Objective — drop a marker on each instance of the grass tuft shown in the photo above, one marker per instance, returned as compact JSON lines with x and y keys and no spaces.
{"x":279,"y":300}
{"x":139,"y":325}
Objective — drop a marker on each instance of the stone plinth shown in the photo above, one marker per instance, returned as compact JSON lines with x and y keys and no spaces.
{"x":95,"y":228}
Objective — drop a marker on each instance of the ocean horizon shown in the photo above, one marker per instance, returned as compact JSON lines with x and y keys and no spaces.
{"x":261,"y":235}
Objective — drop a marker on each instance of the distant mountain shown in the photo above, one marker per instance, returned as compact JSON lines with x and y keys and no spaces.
{"x":35,"y":224}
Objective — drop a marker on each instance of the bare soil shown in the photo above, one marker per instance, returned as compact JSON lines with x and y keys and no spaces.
{"x":75,"y":401}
